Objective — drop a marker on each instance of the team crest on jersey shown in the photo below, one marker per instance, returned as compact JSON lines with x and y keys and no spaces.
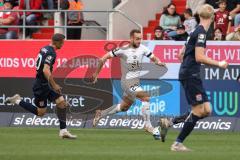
{"x":224,"y":16}
{"x":199,"y":97}
{"x":201,"y":38}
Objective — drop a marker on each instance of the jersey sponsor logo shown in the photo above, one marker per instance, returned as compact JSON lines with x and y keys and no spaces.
{"x":201,"y":38}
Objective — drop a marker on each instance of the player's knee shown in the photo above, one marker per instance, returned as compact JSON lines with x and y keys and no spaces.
{"x":207,"y":110}
{"x":146,"y":99}
{"x":62,"y":104}
{"x":41,"y":112}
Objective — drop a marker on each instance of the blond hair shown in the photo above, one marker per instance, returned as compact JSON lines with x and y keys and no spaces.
{"x":206,"y":12}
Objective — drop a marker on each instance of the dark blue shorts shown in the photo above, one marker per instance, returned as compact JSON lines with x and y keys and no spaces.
{"x":194,"y":91}
{"x":42,"y":93}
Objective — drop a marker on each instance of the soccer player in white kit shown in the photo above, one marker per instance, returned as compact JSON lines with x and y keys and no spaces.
{"x":131,"y":58}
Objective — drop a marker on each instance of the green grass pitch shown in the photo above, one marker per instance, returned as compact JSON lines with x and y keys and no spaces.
{"x":112,"y":144}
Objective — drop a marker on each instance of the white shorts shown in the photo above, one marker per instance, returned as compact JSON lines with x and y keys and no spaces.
{"x":130,"y":88}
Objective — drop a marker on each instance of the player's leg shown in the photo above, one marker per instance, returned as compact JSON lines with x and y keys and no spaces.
{"x":145,"y":98}
{"x":121,"y":107}
{"x":197,"y":98}
{"x":198,"y":112}
{"x":39,"y":111}
{"x":166,"y":123}
{"x":61,"y":112}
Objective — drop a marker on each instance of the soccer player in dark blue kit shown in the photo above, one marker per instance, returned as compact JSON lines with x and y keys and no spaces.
{"x":45,"y":88}
{"x":192,"y":56}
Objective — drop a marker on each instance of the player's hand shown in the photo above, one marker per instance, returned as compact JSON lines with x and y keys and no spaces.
{"x":180,"y":57}
{"x":162,"y":64}
{"x":57,"y":88}
{"x":94,"y":78}
{"x":223,"y":64}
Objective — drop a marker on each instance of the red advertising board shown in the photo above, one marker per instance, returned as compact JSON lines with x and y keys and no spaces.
{"x":18,"y":57}
{"x":169,"y":53}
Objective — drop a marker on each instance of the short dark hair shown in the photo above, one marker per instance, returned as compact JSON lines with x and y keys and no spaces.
{"x":188,"y":11}
{"x":58,"y":37}
{"x":158,"y":28}
{"x":218,"y":29}
{"x":134,"y":31}
{"x":9,"y":1}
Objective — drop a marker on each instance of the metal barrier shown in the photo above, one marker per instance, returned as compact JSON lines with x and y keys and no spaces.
{"x":65,"y":26}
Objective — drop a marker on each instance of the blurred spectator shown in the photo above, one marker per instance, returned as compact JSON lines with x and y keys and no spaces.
{"x":194,"y":5}
{"x":8,"y":18}
{"x":75,"y":19}
{"x":190,"y":22}
{"x":50,"y":4}
{"x":234,"y":36}
{"x":170,"y":19}
{"x":158,"y":33}
{"x":237,"y":20}
{"x":64,"y":4}
{"x":181,"y":34}
{"x":233,"y":6}
{"x":218,"y":35}
{"x":31,"y":17}
{"x":1,"y":3}
{"x":213,"y":3}
{"x":222,"y":18}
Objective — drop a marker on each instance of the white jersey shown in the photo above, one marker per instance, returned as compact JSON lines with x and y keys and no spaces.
{"x":131,"y":61}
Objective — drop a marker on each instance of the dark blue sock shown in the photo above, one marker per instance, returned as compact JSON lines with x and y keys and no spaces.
{"x":29,"y":107}
{"x":62,"y":117}
{"x":188,"y":127}
{"x":180,"y":119}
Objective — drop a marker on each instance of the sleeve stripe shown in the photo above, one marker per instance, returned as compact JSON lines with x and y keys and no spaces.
{"x":149,"y":54}
{"x":114,"y":54}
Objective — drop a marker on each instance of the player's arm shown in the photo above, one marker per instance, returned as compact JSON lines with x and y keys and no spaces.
{"x":48,"y":75}
{"x":202,"y":58}
{"x":156,"y":60}
{"x":181,"y":53}
{"x":101,"y":62}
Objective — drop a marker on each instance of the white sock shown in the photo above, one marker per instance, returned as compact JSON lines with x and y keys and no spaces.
{"x":146,"y":114}
{"x":111,"y":110}
{"x":63,"y":130}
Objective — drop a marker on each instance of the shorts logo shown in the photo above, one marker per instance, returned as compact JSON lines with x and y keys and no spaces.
{"x":41,"y":103}
{"x":199,"y":97}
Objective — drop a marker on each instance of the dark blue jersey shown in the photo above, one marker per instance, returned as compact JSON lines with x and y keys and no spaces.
{"x":190,"y":68}
{"x":47,"y":55}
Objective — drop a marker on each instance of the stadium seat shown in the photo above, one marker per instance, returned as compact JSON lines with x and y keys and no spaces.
{"x":44,"y":33}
